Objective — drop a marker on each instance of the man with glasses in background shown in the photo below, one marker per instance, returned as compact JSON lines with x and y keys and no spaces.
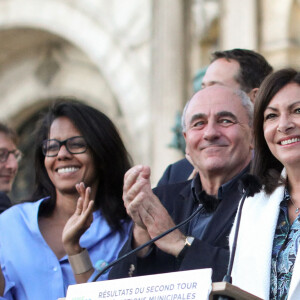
{"x":9,"y":159}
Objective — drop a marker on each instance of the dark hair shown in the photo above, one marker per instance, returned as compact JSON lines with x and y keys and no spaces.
{"x":110,"y":158}
{"x":265,"y":165}
{"x":9,"y":132}
{"x":253,"y":67}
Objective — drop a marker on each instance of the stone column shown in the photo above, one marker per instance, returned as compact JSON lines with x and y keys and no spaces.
{"x":239,"y":23}
{"x":168,"y":78}
{"x":280,"y":37}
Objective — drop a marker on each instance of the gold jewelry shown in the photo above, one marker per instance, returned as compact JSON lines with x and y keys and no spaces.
{"x":80,"y":262}
{"x":297,"y":210}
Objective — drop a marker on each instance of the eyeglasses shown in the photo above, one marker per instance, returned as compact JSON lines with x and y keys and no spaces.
{"x":4,"y":154}
{"x":74,"y":145}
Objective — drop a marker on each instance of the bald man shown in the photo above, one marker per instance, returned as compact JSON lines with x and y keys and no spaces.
{"x":237,"y":68}
{"x":217,"y":124}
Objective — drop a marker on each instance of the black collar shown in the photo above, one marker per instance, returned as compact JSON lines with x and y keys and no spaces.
{"x":210,"y":202}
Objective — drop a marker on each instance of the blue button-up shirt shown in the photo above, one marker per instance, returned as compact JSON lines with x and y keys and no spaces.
{"x":31,"y":269}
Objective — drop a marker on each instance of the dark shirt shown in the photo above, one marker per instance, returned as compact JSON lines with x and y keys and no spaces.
{"x":4,"y":202}
{"x":199,"y":223}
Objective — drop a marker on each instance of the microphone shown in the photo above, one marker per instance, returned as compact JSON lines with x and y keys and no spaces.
{"x":251,"y":185}
{"x":157,"y":237}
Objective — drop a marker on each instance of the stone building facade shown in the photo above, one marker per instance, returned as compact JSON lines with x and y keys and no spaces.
{"x":133,"y":59}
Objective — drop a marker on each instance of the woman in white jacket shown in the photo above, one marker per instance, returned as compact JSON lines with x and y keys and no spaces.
{"x":266,"y":262}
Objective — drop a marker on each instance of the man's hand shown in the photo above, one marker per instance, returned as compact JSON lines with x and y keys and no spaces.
{"x":147,"y":212}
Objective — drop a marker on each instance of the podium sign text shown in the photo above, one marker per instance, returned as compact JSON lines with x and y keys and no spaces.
{"x":184,"y":285}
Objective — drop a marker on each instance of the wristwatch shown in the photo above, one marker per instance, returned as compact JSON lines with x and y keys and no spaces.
{"x":188,"y":243}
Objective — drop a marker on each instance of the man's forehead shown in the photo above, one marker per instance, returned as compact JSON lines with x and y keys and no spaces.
{"x":6,"y":141}
{"x":215,"y":95}
{"x":215,"y":111}
{"x":223,"y":72}
{"x":215,"y":100}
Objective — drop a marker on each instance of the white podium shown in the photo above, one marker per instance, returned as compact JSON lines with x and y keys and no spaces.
{"x":184,"y":285}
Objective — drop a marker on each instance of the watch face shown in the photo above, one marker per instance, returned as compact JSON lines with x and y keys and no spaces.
{"x":189,"y":240}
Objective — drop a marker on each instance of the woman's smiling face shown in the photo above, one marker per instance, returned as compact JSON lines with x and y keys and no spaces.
{"x":282,"y":125}
{"x":66,"y":169}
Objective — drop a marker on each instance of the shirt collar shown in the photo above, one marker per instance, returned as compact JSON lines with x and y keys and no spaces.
{"x":233,"y":183}
{"x":223,"y":191}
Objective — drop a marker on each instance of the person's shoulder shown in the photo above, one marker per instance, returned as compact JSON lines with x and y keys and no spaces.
{"x":176,"y":198}
{"x":20,"y":210}
{"x":174,"y":189}
{"x":181,"y":168}
{"x":181,"y":163}
{"x":262,"y":201}
{"x":5,"y":202}
{"x":176,"y":172}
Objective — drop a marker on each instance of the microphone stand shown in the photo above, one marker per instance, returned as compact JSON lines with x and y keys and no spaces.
{"x":147,"y":243}
{"x":227,"y":277}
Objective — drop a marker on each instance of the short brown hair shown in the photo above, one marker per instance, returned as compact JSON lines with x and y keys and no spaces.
{"x":254,"y":68}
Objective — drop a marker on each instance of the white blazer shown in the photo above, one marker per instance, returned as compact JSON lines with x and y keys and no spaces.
{"x":252,"y":264}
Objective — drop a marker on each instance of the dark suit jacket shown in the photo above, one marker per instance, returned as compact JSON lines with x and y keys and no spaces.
{"x":177,"y":172}
{"x":211,"y":251}
{"x":4,"y":202}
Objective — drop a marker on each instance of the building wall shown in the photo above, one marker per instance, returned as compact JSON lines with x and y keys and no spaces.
{"x":132,"y":59}
{"x":96,"y":51}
